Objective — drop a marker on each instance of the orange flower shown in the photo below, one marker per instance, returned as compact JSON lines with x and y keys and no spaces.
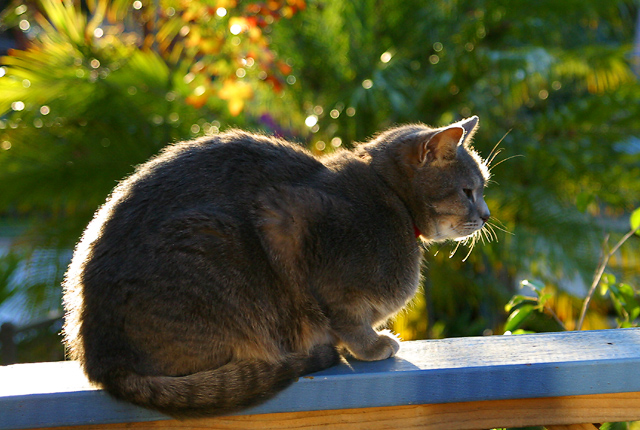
{"x":197,"y":101}
{"x":236,"y":93}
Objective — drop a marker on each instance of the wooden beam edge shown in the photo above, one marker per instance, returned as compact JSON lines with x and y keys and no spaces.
{"x":564,"y":410}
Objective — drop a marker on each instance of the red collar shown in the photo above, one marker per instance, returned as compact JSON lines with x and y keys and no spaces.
{"x":416,"y":231}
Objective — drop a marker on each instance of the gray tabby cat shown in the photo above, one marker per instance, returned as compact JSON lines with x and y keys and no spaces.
{"x":226,"y":267}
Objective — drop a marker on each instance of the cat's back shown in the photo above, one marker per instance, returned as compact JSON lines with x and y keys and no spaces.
{"x":228,"y":170}
{"x":235,"y":159}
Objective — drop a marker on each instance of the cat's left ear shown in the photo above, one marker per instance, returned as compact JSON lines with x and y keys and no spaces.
{"x":470,"y":125}
{"x":443,"y":145}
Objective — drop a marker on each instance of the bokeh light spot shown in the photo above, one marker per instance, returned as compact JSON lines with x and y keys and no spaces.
{"x":311,"y":120}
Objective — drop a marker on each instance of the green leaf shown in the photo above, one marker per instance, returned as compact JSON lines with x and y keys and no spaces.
{"x":627,"y":324}
{"x":521,"y":331}
{"x":608,"y":278}
{"x":623,"y":298}
{"x":626,"y":290}
{"x":617,"y":303}
{"x":518,"y":317}
{"x":635,"y":221}
{"x":536,"y":286}
{"x":629,"y":301}
{"x":516,"y":301}
{"x":615,"y":292}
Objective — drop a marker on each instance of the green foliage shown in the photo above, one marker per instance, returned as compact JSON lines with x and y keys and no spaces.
{"x":40,"y":343}
{"x":624,"y":299}
{"x":532,"y":313}
{"x":88,"y":100}
{"x":521,"y":308}
{"x":8,"y":265}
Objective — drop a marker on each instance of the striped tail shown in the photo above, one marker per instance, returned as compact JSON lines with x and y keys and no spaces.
{"x":234,"y":386}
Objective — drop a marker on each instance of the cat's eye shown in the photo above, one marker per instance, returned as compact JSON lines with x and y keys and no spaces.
{"x":469,"y":193}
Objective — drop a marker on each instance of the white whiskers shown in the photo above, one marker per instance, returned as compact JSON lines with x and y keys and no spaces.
{"x":485,"y":235}
{"x":488,"y":162}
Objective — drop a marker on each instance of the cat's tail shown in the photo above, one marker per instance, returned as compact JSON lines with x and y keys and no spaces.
{"x":234,"y":386}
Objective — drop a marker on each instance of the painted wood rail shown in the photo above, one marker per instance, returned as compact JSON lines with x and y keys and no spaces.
{"x":560,"y":380}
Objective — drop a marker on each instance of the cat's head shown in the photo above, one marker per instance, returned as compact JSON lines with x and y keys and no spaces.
{"x":439,"y":176}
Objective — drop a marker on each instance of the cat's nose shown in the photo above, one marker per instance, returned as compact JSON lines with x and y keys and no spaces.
{"x":483,"y":211}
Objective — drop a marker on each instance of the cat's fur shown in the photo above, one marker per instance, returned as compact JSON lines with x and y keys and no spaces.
{"x":226,"y":267}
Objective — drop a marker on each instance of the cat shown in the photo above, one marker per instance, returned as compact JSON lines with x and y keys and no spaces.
{"x":226,"y":267}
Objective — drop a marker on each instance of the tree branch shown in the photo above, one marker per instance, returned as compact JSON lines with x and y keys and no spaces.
{"x":600,"y":271}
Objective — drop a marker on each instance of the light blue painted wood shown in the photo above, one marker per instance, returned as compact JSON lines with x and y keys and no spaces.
{"x":436,"y":371}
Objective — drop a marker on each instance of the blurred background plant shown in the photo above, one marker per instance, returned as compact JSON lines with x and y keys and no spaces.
{"x":93,"y":88}
{"x":537,"y":311}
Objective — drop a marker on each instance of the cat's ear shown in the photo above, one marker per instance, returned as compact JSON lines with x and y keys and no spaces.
{"x":470,"y":126}
{"x":441,"y":146}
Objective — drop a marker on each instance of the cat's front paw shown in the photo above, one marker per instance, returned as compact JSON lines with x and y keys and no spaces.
{"x":385,"y":346}
{"x":394,"y":340}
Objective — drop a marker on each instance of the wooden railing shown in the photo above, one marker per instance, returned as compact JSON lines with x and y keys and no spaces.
{"x":559,"y":380}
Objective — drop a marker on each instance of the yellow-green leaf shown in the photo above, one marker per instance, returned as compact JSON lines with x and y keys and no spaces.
{"x":518,"y":317}
{"x":635,"y":221}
